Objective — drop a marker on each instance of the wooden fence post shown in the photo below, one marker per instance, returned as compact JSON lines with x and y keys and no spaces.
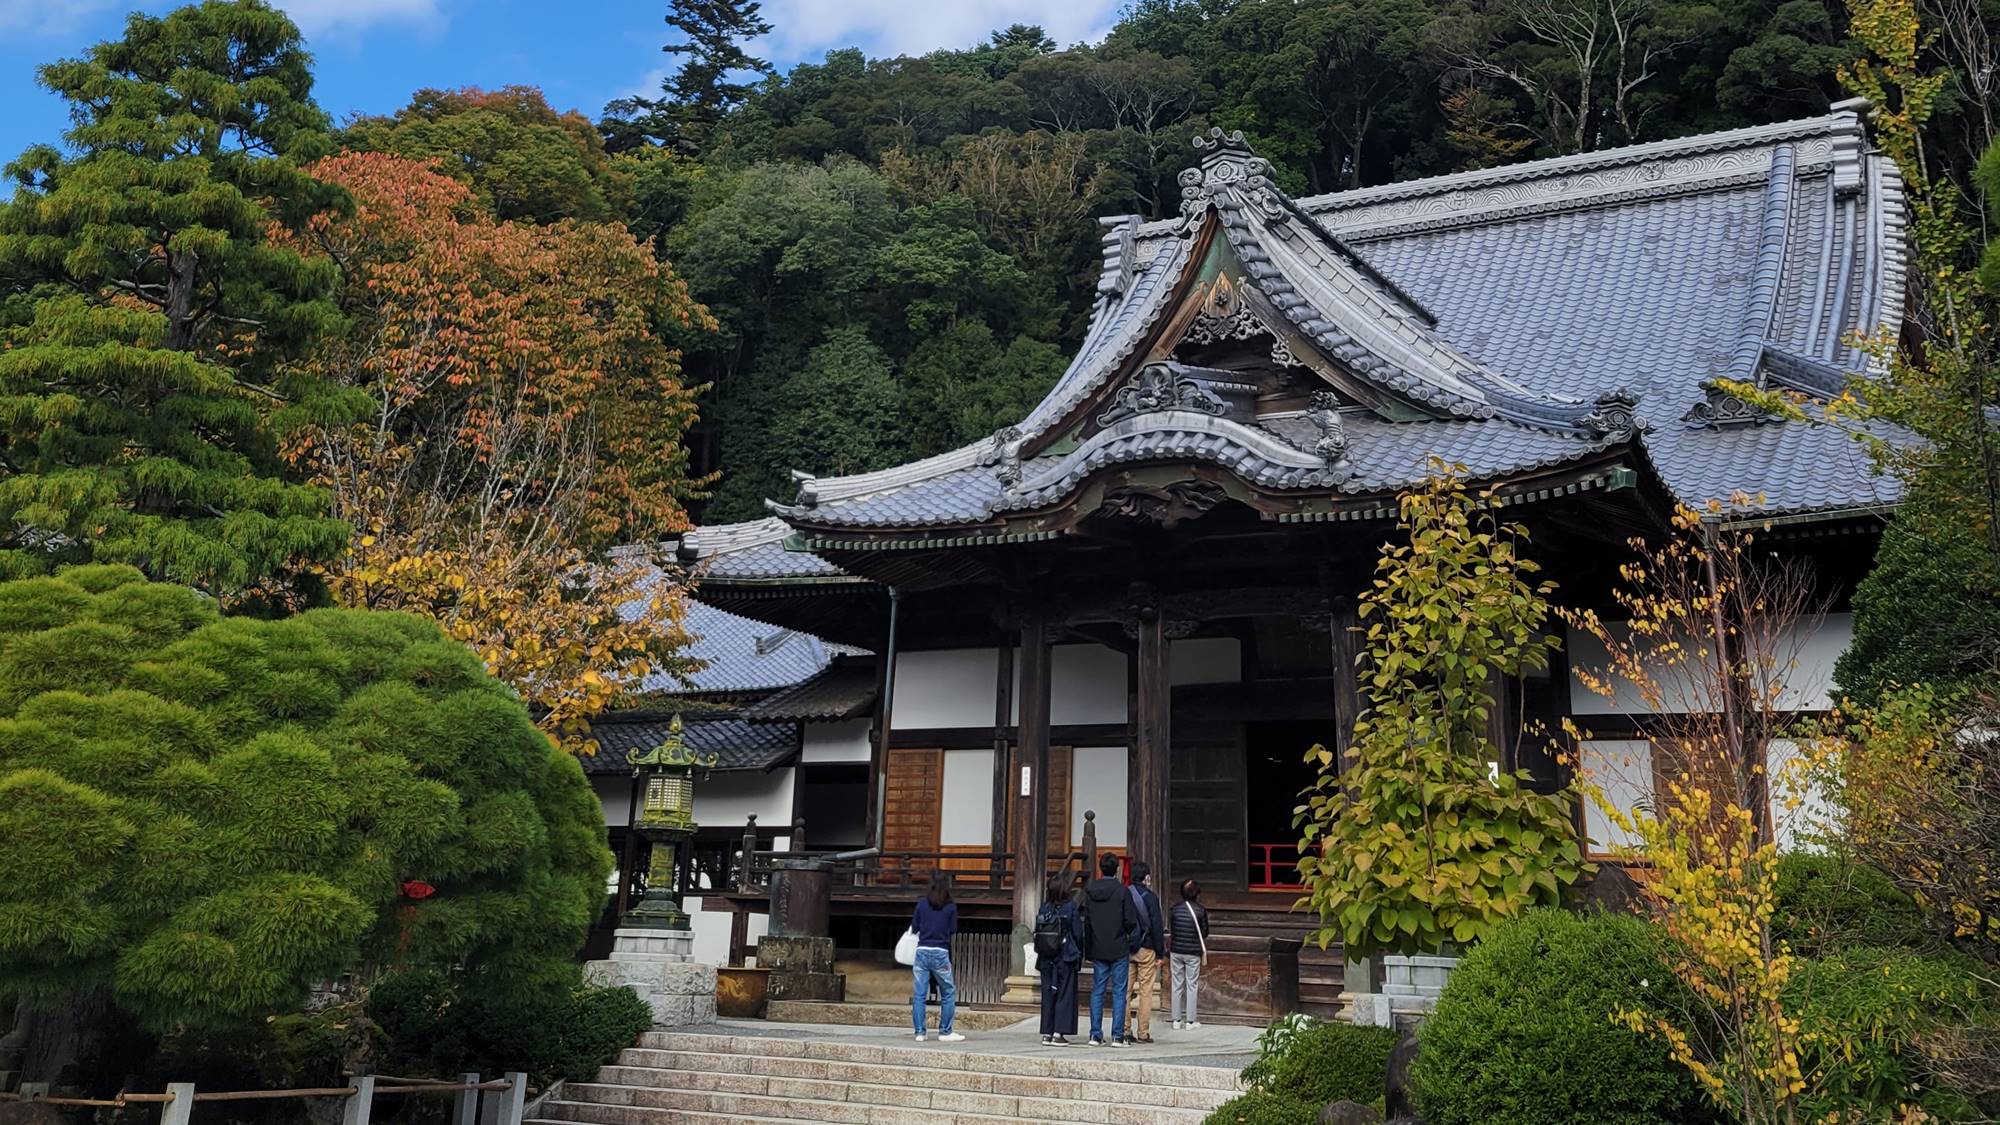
{"x":1089,"y":845}
{"x":465,"y":1103}
{"x":749,"y":853}
{"x":180,"y":1110}
{"x":514,"y":1099}
{"x":361,"y":1102}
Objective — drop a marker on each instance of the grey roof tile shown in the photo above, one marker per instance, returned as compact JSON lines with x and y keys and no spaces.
{"x":736,"y":743}
{"x":845,"y":689}
{"x":742,"y":656}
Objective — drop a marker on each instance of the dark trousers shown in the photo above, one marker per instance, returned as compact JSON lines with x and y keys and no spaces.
{"x":1059,"y":998}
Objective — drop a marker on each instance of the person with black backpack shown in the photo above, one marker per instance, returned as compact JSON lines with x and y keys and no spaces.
{"x":1058,"y":954}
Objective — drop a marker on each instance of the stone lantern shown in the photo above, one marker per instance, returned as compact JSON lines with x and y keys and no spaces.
{"x":666,"y":822}
{"x":652,"y":951}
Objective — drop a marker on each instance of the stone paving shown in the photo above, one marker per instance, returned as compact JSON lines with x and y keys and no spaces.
{"x":1220,"y":1045}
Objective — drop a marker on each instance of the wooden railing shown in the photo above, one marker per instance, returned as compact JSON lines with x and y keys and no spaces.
{"x":892,"y":874}
{"x":1274,"y":867}
{"x":505,"y":1105}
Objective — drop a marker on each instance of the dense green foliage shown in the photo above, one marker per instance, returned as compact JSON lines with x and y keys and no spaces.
{"x":1422,"y":840}
{"x":206,"y":814}
{"x":437,"y":1022}
{"x":1261,"y":1108}
{"x":1524,"y":1031}
{"x":144,"y":305}
{"x":1326,"y":1062}
{"x":1826,"y":903}
{"x":1894,"y":1024}
{"x":1929,"y":611}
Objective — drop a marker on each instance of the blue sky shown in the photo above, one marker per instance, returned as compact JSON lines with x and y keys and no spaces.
{"x":371,"y":54}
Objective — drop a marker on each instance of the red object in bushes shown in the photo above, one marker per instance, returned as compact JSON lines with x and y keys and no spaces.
{"x":418,"y":889}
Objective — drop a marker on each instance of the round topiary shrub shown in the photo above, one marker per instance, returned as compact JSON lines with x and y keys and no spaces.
{"x":1327,"y":1062}
{"x":1524,"y":1031}
{"x":1262,"y":1108}
{"x":1826,"y":903}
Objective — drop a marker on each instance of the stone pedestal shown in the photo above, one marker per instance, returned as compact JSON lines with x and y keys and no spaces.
{"x":801,"y":968}
{"x":659,"y":966}
{"x":1409,"y":991}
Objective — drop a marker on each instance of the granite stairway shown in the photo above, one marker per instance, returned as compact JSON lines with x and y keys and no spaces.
{"x":685,"y":1078}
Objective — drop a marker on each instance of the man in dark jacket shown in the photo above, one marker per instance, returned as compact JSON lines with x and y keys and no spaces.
{"x":1151,"y":954}
{"x":1112,"y":925}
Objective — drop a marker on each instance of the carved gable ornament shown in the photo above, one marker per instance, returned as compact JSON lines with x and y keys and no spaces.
{"x":1167,"y":505}
{"x":1157,"y":387}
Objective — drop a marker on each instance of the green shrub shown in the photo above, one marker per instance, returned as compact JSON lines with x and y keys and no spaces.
{"x":1325,"y":1062}
{"x":1826,"y":903}
{"x":1260,"y":1108}
{"x":1865,"y":1016}
{"x":438,"y":1023}
{"x":1524,"y":1031}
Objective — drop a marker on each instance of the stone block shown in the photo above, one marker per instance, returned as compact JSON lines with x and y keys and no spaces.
{"x":828,"y":988}
{"x":1370,"y":1009}
{"x":795,"y":954}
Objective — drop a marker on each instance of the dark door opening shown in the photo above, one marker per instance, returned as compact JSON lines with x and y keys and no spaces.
{"x":833,"y":799}
{"x":1277,"y":771}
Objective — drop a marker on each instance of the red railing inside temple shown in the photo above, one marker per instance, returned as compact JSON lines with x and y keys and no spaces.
{"x":1274,"y":867}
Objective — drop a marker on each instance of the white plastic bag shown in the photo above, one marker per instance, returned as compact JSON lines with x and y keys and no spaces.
{"x":906,"y":948}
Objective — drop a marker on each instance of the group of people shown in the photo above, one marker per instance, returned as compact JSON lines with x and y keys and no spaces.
{"x":1120,"y":928}
{"x":1126,"y":935}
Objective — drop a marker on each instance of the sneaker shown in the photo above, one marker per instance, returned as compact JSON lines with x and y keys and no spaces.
{"x":1142,"y":1039}
{"x":1095,"y":1042}
{"x":1120,"y":1043}
{"x":1177,"y":1025}
{"x":951,"y":1037}
{"x":1060,"y":1041}
{"x":1192,"y":1026}
{"x":1048,"y":1040}
{"x":920,"y":1036}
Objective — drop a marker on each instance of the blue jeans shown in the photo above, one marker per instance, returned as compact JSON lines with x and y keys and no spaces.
{"x":933,"y":962}
{"x":1103,"y":975}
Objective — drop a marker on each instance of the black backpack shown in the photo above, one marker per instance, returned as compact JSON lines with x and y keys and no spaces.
{"x":1049,"y":933}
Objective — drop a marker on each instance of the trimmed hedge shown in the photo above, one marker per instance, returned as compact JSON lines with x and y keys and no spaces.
{"x":1826,"y":904}
{"x":437,"y":1022}
{"x":1524,"y":1031}
{"x":1885,"y":1007}
{"x":1262,"y":1108}
{"x":1327,"y":1062}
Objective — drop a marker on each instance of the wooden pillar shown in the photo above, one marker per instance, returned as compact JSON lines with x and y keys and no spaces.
{"x":1344,"y":624}
{"x":1031,"y":860}
{"x":1004,"y":831}
{"x":1152,"y":733}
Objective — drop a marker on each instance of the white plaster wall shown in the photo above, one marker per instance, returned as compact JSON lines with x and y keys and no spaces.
{"x":967,"y":816}
{"x":1801,"y":816}
{"x":1812,"y":651}
{"x":1086,"y":685}
{"x":1097,"y":784}
{"x":726,"y":800}
{"x":1205,"y":660}
{"x":1623,"y":768}
{"x":615,"y":794}
{"x":1808,"y":678}
{"x":711,"y":931}
{"x":844,"y":741}
{"x":945,"y":688}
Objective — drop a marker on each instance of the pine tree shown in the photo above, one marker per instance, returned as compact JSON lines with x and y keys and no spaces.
{"x":701,"y":92}
{"x":145,"y":309}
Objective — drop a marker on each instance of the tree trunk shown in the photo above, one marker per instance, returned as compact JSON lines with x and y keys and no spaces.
{"x":82,"y":1042}
{"x":181,"y":271}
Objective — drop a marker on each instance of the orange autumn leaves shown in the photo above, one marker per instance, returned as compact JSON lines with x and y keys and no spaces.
{"x":509,"y":407}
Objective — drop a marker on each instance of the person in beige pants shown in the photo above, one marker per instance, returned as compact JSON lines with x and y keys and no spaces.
{"x":1146,"y":959}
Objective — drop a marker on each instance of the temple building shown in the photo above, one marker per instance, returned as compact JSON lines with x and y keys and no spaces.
{"x":1136,"y":601}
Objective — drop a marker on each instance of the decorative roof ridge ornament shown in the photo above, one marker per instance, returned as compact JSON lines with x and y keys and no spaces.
{"x":1615,"y":415}
{"x":808,"y":483}
{"x":1005,"y":458}
{"x":1161,"y":386}
{"x":1120,"y":241}
{"x":1227,"y":164}
{"x":1721,"y":410}
{"x":1323,"y":411}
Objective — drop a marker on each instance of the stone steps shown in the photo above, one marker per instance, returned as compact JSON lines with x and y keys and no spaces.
{"x":673,"y":1078}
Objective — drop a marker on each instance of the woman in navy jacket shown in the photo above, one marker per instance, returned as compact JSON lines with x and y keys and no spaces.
{"x":1059,"y":972}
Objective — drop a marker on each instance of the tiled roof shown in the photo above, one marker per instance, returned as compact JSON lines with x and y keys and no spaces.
{"x":844,"y":690}
{"x":743,"y":656}
{"x":1509,"y":304}
{"x":736,"y":743}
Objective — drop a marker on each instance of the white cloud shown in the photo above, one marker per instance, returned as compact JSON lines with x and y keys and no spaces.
{"x":807,"y":28}
{"x":318,"y":17}
{"x":47,"y":17}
